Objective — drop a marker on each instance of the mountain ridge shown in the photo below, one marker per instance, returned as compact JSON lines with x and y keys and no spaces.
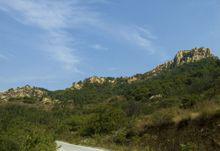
{"x":41,"y":95}
{"x":182,"y":57}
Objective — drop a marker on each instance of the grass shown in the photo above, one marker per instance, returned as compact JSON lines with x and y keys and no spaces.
{"x":175,"y":115}
{"x":169,"y":116}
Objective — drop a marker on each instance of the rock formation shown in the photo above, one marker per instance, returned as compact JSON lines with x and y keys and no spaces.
{"x":187,"y":56}
{"x":92,"y":80}
{"x":25,"y":93}
{"x":182,"y":57}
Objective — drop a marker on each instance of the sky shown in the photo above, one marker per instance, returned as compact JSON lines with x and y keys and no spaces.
{"x":53,"y":43}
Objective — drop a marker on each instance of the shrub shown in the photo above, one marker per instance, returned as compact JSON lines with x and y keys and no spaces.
{"x":104,"y":121}
{"x":187,"y":147}
{"x":8,"y":145}
{"x":162,"y":117}
{"x":120,"y":136}
{"x":189,"y":101}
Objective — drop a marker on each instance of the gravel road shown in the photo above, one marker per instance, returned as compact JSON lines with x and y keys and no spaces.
{"x":70,"y":147}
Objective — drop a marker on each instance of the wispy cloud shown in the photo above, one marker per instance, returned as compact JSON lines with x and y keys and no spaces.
{"x":61,"y":47}
{"x":133,"y":35}
{"x":56,"y":18}
{"x":139,"y":36}
{"x":50,"y":14}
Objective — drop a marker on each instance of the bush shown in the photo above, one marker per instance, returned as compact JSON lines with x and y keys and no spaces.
{"x":104,"y":121}
{"x":162,"y":117}
{"x":22,"y":129}
{"x":189,"y":101}
{"x":187,"y":147}
{"x":8,"y":145}
{"x":120,"y":136}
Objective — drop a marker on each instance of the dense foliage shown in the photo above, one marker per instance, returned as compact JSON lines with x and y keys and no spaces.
{"x":24,"y":129}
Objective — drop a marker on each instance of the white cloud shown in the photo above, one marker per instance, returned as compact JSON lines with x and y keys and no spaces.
{"x":50,"y":14}
{"x":137,"y":37}
{"x":99,"y":47}
{"x":56,"y":17}
{"x":134,"y":35}
{"x":61,"y":47}
{"x":140,"y":37}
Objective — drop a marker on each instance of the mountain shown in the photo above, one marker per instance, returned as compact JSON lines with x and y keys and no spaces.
{"x":175,"y":106}
{"x":95,"y":88}
{"x":182,"y":57}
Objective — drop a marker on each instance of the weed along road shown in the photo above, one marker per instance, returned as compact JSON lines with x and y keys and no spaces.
{"x":62,"y":146}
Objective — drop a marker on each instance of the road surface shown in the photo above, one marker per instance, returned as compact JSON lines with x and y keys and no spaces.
{"x":69,"y":147}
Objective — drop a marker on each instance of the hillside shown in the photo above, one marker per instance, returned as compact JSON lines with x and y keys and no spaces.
{"x":175,"y":106}
{"x":185,"y":65}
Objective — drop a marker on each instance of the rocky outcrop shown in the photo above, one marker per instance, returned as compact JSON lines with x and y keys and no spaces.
{"x":187,"y":56}
{"x":132,"y":79}
{"x":92,"y":80}
{"x":77,"y":86}
{"x":26,"y":93}
{"x":99,"y":80}
{"x":182,"y":57}
{"x":160,"y":68}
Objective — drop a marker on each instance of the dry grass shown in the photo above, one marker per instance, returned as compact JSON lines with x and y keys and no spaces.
{"x":176,"y":115}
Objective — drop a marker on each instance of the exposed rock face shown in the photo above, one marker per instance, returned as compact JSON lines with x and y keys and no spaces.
{"x":100,"y":80}
{"x":160,"y":68}
{"x":77,"y":86}
{"x":187,"y":56}
{"x":184,"y":56}
{"x":25,"y":92}
{"x":96,"y":80}
{"x":92,"y":80}
{"x":132,"y":79}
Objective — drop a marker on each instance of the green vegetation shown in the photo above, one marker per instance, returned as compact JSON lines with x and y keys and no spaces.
{"x":178,"y":109}
{"x":24,"y":129}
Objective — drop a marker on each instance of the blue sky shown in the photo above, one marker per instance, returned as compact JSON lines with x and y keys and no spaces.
{"x":53,"y":43}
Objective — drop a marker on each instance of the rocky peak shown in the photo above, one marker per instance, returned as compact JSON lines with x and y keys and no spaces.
{"x":187,"y":56}
{"x":183,"y":56}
